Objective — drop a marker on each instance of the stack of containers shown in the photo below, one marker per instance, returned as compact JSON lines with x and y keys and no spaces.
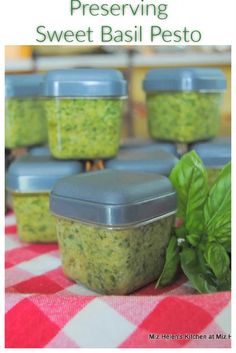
{"x":113,"y":226}
{"x":184,"y":104}
{"x":103,"y":217}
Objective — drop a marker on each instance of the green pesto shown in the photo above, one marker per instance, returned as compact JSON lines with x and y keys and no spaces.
{"x":184,"y":116}
{"x":113,"y":261}
{"x":84,"y":128}
{"x":213,"y":174}
{"x":25,"y":122}
{"x":34,"y":221}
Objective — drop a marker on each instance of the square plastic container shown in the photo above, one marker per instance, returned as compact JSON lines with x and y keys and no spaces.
{"x":184,"y":104}
{"x":25,"y":119}
{"x":113,"y":228}
{"x":84,"y":111}
{"x":143,"y":160}
{"x":215,"y":154}
{"x":30,"y":179}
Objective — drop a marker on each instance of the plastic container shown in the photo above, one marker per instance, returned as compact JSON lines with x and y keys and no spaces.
{"x":30,"y":179}
{"x":113,"y":228}
{"x":184,"y":104}
{"x":158,"y":162}
{"x":25,"y":120}
{"x":215,"y":154}
{"x":134,"y":144}
{"x":84,"y":111}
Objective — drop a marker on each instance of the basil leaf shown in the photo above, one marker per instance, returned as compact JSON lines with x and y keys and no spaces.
{"x":189,"y":177}
{"x":171,"y":263}
{"x":196,"y":271}
{"x":217,"y":210}
{"x":225,"y":283}
{"x":218,"y":259}
{"x":193,"y":239}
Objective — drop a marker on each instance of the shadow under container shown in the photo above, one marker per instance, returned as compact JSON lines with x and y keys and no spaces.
{"x":25,"y":119}
{"x":143,"y":160}
{"x":84,"y":111}
{"x":215,"y":154}
{"x":184,"y":104}
{"x":113,"y":228}
{"x":30,"y":180}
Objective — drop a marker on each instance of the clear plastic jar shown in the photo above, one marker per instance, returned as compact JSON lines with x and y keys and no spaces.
{"x":30,"y":179}
{"x":110,"y":260}
{"x":25,"y":120}
{"x":118,"y":244}
{"x":34,"y":221}
{"x":184,"y":104}
{"x":84,"y":111}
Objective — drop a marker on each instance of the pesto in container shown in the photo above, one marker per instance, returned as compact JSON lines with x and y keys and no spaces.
{"x":215,"y":154}
{"x":113,"y":228}
{"x":139,"y":160}
{"x":84,"y":111}
{"x":30,"y":179}
{"x":25,"y":120}
{"x":184,"y":104}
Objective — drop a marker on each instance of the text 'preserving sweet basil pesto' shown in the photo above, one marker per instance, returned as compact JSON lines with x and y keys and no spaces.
{"x":184,"y":104}
{"x":30,"y":179}
{"x":113,"y":228}
{"x":84,"y":111}
{"x":215,"y":154}
{"x":25,"y":120}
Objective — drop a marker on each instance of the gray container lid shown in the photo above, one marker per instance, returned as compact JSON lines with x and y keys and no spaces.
{"x":215,"y":153}
{"x":85,"y":83}
{"x":23,"y":85}
{"x":39,"y":151}
{"x":38,"y":173}
{"x":160,"y":162}
{"x":134,"y":144}
{"x":184,"y":79}
{"x":113,"y":198}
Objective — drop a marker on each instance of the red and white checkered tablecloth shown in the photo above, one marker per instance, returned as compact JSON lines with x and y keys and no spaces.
{"x":45,"y":309}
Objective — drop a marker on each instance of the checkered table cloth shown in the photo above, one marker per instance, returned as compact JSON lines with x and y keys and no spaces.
{"x":45,"y":309}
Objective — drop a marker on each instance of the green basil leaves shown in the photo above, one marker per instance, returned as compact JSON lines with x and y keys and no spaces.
{"x":205,"y":229}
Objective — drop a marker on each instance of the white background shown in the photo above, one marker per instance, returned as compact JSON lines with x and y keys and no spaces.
{"x":213,"y":17}
{"x":19,"y":19}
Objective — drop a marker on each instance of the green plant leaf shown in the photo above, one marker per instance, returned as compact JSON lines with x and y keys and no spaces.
{"x":189,"y":177}
{"x":171,"y":263}
{"x":218,"y":259}
{"x":225,"y":283}
{"x":193,"y":239}
{"x":196,"y":271}
{"x":217,"y":210}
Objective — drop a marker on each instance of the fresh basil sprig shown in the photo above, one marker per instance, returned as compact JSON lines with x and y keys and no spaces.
{"x":189,"y":177}
{"x":171,"y":264}
{"x":205,"y":227}
{"x":217,"y":210}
